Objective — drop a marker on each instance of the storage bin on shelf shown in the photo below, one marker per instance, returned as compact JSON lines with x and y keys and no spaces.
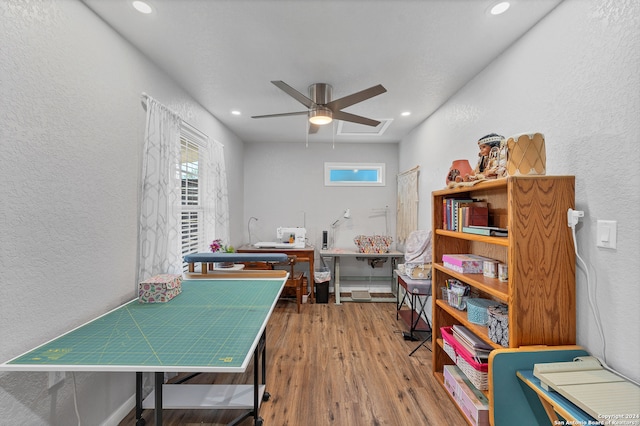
{"x":498,"y":324}
{"x":457,"y":301}
{"x":477,"y":310}
{"x":476,"y":372}
{"x":445,"y":294}
{"x":464,"y":263}
{"x":457,"y":294}
{"x":449,"y":349}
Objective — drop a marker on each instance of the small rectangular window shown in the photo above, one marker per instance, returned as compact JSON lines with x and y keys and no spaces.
{"x":354,"y":174}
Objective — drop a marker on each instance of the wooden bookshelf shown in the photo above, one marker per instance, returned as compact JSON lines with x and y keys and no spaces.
{"x":539,"y":252}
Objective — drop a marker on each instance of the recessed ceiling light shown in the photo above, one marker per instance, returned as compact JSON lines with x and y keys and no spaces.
{"x":406,"y":113}
{"x":236,"y":112}
{"x":500,"y":8}
{"x":142,"y":7}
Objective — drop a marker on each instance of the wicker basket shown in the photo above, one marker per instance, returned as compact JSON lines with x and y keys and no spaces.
{"x":447,"y":347}
{"x":477,"y":373}
{"x":480,"y":379}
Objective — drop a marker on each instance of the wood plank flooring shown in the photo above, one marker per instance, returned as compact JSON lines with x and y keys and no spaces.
{"x":335,"y":365}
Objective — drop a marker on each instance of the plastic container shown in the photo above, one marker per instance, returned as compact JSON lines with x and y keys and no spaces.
{"x":477,"y":310}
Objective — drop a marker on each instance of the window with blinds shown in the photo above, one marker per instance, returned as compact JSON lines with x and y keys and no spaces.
{"x":191,"y":153}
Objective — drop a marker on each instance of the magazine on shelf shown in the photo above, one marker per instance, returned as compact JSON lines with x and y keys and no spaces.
{"x":476,"y":347}
{"x":493,"y":231}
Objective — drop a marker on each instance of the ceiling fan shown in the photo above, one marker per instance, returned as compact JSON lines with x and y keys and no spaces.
{"x":322,"y":110}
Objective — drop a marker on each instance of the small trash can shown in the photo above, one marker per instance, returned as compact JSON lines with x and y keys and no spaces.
{"x":322,"y":277}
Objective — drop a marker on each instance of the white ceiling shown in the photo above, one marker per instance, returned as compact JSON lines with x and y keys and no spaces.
{"x":226,"y":52}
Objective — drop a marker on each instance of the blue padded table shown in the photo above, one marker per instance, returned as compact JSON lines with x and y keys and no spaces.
{"x":212,"y":326}
{"x":206,"y":258}
{"x":554,"y":403}
{"x":513,"y":401}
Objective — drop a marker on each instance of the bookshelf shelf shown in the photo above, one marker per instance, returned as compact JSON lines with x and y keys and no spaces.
{"x":491,"y":286}
{"x":539,"y":253}
{"x":500,"y":241}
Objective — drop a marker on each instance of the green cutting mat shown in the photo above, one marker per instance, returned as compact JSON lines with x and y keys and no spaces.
{"x":212,"y":323}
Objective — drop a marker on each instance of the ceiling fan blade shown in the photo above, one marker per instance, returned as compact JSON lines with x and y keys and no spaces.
{"x":313,"y":128}
{"x":284,"y":114}
{"x":345,"y":116}
{"x":354,"y":98}
{"x":294,"y":93}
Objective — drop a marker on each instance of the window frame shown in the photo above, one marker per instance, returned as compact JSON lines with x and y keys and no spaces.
{"x":192,"y":240}
{"x":330,"y":178}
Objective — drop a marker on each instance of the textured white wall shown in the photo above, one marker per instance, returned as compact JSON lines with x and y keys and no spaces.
{"x":576,"y":78}
{"x":71,"y":142}
{"x":284,"y":186}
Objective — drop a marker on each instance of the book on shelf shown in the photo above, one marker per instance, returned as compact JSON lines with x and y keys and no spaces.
{"x":472,"y":214}
{"x":476,"y":347}
{"x":451,"y":207}
{"x":492,"y":231}
{"x":480,"y":356}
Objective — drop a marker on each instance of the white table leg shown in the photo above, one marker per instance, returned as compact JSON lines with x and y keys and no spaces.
{"x":336,"y":279}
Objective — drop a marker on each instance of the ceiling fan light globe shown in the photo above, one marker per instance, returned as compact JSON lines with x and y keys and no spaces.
{"x":320,"y":116}
{"x":320,"y":120}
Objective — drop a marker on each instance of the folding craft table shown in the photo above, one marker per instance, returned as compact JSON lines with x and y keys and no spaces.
{"x":214,"y":325}
{"x":416,"y":293}
{"x":336,"y":254}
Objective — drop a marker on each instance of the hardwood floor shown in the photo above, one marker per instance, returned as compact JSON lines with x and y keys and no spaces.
{"x":335,"y":365}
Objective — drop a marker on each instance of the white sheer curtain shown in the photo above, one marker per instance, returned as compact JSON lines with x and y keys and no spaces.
{"x":216,"y":199}
{"x":159,"y":225}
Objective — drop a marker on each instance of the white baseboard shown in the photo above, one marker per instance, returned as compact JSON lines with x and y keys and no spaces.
{"x":118,"y":415}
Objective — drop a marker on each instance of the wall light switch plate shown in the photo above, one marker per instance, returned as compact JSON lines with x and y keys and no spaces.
{"x":606,"y":234}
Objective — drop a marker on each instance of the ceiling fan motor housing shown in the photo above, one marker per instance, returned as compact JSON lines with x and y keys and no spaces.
{"x":322,"y":110}
{"x":320,"y":93}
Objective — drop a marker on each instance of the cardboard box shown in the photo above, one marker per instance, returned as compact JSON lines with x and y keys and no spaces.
{"x":450,"y":382}
{"x":473,"y":403}
{"x":159,"y":288}
{"x":464,"y":263}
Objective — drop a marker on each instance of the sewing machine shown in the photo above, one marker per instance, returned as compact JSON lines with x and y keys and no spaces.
{"x":286,"y":238}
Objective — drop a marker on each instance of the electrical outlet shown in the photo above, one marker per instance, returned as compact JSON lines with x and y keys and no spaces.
{"x":55,"y":377}
{"x":573,"y":217}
